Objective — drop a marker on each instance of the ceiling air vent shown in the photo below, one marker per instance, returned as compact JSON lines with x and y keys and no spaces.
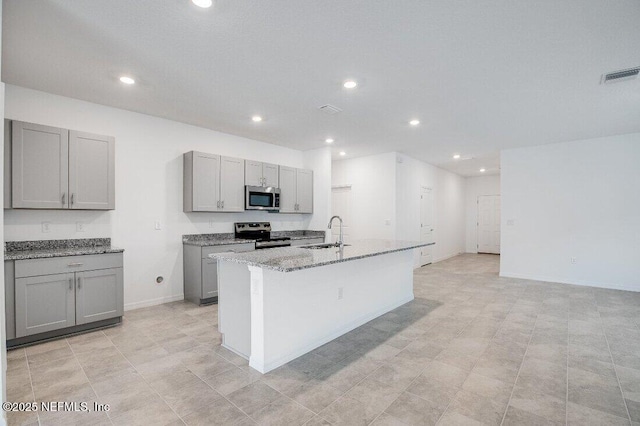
{"x":329,"y":109}
{"x":621,"y":75}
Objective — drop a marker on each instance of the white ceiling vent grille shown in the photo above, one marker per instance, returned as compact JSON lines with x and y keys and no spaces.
{"x":329,"y":109}
{"x":621,"y":75}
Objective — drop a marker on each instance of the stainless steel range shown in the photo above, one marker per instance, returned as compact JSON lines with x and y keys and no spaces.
{"x":261,"y":232}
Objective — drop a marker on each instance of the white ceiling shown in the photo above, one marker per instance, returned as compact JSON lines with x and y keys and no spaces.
{"x":480,"y":75}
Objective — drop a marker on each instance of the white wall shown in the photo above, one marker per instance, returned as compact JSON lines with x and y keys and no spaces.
{"x":387,"y":187}
{"x":373,"y":192}
{"x":448,"y":199}
{"x":148,"y":188}
{"x":319,"y":160}
{"x":475,"y":187}
{"x":577,"y":199}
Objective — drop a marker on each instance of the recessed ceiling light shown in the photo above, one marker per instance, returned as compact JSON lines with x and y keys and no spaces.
{"x":350,"y":84}
{"x":127,"y":80}
{"x":202,"y":3}
{"x":414,"y":122}
{"x":456,"y":156}
{"x":342,"y":153}
{"x":482,"y":170}
{"x":328,"y":140}
{"x":256,"y":118}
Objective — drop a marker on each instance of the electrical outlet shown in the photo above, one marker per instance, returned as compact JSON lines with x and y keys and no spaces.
{"x":80,"y":227}
{"x":574,"y":260}
{"x":387,"y":222}
{"x":340,"y":293}
{"x":211,"y":223}
{"x":46,"y":227}
{"x":158,"y":225}
{"x":510,"y":222}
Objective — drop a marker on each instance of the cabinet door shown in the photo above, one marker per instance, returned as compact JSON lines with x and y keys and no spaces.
{"x":270,"y":174}
{"x":203,"y":181}
{"x":252,"y":173}
{"x":40,"y":166}
{"x":304,"y":190}
{"x":91,"y":171}
{"x":99,"y":295}
{"x":44,"y":303}
{"x":287,"y":189}
{"x":209,"y":278}
{"x":232,"y":184}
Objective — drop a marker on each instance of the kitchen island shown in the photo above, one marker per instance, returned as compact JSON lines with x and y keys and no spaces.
{"x":278,"y":304}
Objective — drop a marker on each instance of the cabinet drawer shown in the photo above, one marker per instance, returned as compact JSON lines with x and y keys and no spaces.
{"x":60,"y":265}
{"x":206,"y":251}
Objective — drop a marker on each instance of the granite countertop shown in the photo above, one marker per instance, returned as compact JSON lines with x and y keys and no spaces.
{"x":288,"y":259}
{"x":40,"y":249}
{"x":206,"y":240}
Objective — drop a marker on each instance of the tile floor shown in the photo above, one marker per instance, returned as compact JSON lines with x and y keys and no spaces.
{"x":471,"y":349}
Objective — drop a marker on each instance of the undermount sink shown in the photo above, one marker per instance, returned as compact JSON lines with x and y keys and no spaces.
{"x":323,"y":246}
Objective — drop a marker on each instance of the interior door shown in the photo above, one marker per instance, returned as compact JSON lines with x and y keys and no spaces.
{"x":426,"y":225}
{"x":91,"y":171}
{"x":489,"y":224}
{"x":99,"y":295}
{"x":341,"y":206}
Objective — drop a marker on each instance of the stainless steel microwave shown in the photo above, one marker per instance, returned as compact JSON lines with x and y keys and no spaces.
{"x":262,"y":198}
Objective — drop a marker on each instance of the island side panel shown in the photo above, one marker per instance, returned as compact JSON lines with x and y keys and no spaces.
{"x":296,"y":312}
{"x":234,"y":307}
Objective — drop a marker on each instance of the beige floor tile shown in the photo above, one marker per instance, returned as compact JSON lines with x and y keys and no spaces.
{"x":283,"y":412}
{"x":595,"y":391}
{"x":253,"y":397}
{"x":413,"y":410}
{"x":579,"y":415}
{"x":153,"y":411}
{"x":233,"y":379}
{"x":314,"y":395}
{"x":220,"y":413}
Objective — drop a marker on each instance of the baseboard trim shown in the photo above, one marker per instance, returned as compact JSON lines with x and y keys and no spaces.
{"x":557,"y":280}
{"x":272,"y":364}
{"x":153,"y":302}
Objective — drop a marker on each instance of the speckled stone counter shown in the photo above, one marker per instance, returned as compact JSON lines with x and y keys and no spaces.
{"x":21,"y":250}
{"x":205,"y":240}
{"x":299,"y":235}
{"x":287,"y":259}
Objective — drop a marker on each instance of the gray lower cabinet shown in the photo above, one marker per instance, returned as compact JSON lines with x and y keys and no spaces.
{"x":201,"y":272}
{"x":44,"y":303}
{"x":54,"y":296}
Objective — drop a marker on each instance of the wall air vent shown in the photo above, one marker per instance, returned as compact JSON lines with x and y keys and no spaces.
{"x":329,"y":109}
{"x":621,"y":75}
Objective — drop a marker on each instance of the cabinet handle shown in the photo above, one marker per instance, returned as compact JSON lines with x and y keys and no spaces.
{"x":64,"y":197}
{"x":218,"y":204}
{"x":79,"y":283}
{"x":76,"y":264}
{"x":222,"y":202}
{"x":72,"y":197}
{"x":70,"y":283}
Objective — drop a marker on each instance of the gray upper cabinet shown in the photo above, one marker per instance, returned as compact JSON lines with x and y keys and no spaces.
{"x":99,"y":295}
{"x":260,"y":174}
{"x":288,"y":194}
{"x":213,"y":183}
{"x":304,"y":190}
{"x":54,"y":168}
{"x":201,"y":182}
{"x":91,"y":171}
{"x":40,"y":166}
{"x":231,"y":184}
{"x":44,"y":303}
{"x":296,"y":190}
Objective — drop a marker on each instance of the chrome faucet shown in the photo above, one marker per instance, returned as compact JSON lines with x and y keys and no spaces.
{"x":340,"y":239}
